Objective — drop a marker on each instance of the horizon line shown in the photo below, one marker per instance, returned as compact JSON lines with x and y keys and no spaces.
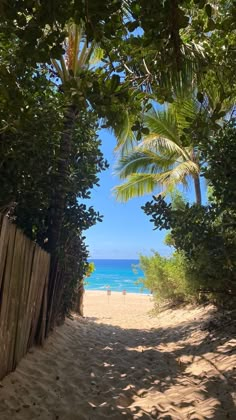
{"x":95,"y":258}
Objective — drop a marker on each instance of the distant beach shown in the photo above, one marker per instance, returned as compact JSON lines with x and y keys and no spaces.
{"x":116,"y":275}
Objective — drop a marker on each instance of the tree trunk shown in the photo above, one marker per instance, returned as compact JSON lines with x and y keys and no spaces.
{"x":79,"y":307}
{"x":60,"y":188}
{"x":56,"y":212}
{"x":197,"y":187}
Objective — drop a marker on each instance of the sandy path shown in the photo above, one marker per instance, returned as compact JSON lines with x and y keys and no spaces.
{"x":120,"y":363}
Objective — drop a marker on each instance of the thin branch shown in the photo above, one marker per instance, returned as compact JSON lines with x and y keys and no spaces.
{"x":128,"y":69}
{"x":145,"y":65}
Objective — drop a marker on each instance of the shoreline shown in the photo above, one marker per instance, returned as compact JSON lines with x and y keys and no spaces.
{"x":104,"y":292}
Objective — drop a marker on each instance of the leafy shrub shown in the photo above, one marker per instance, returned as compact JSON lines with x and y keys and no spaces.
{"x":167,"y":278}
{"x":206,"y":235}
{"x":208,"y":244}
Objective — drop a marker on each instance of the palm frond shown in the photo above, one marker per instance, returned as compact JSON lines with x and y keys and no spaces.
{"x":64,"y":69}
{"x":185,"y":109}
{"x":163,"y":124}
{"x":136,"y":185}
{"x":79,"y":54}
{"x":140,"y":162}
{"x":139,"y":184}
{"x":124,"y":134}
{"x":162,"y":145}
{"x":168,"y":181}
{"x":58,"y":68}
{"x":161,"y":159}
{"x":77,"y":38}
{"x":96,"y":56}
{"x":82,"y":56}
{"x":183,"y":170}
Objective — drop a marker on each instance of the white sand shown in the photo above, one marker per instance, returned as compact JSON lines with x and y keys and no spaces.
{"x":120,"y":363}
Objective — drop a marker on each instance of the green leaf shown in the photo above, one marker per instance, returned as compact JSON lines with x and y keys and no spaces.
{"x":189,"y":119}
{"x":208,"y":10}
{"x":131,"y":26}
{"x":211,"y":25}
{"x":200,"y":97}
{"x":115,"y":81}
{"x":145,"y":130}
{"x":139,"y":136}
{"x":183,"y":20}
{"x":201,"y":3}
{"x":217,"y":107}
{"x":148,"y":107}
{"x":56,"y":52}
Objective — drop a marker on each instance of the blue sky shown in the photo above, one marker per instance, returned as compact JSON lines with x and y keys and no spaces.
{"x":125,"y":231}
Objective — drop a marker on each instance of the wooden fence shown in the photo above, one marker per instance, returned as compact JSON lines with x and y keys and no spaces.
{"x":24,"y":273}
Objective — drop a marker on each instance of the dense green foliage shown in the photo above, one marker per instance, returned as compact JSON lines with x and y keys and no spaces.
{"x":206,"y":234}
{"x":167,"y":278}
{"x":30,"y":139}
{"x":52,"y":99}
{"x":220,"y":154}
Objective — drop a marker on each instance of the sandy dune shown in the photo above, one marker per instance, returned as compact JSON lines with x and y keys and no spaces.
{"x":120,"y":363}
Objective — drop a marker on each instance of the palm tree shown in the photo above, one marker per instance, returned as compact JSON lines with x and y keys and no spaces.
{"x":166,"y":157}
{"x":69,"y":72}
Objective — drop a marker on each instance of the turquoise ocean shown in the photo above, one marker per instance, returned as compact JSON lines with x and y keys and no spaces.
{"x":117,"y":275}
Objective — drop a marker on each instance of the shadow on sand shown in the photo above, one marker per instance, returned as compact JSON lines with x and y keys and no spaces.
{"x":157,"y":363}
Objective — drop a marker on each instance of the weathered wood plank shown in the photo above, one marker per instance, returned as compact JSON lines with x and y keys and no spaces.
{"x":15,"y":296}
{"x":6,"y":297}
{"x":39,"y":299}
{"x":4,"y":238}
{"x":21,"y":279}
{"x":1,"y":220}
{"x":39,"y":289}
{"x":24,"y":273}
{"x":23,"y":315}
{"x":42,"y":330}
{"x":31,"y":298}
{"x":36,"y":296}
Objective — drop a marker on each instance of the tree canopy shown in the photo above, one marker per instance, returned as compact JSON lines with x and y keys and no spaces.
{"x":53,"y":101}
